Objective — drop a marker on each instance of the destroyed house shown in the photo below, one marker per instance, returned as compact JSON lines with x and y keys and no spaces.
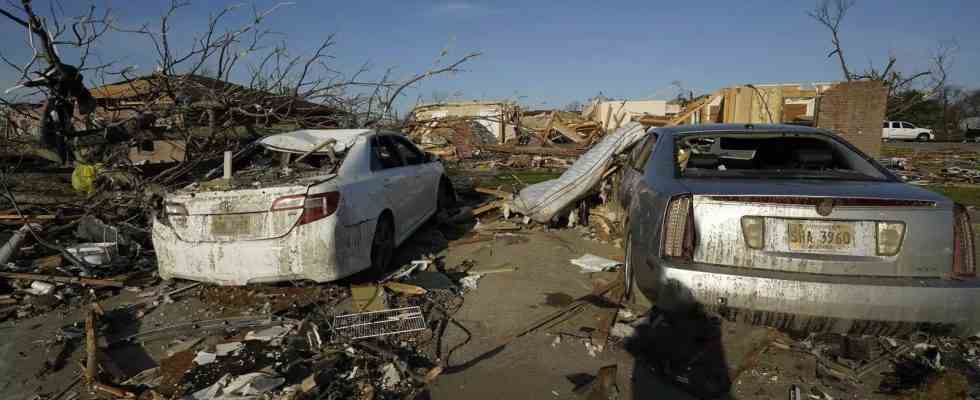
{"x":852,"y":109}
{"x":192,"y":100}
{"x":500,"y":118}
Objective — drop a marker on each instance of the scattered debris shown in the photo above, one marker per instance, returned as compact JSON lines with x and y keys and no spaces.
{"x":469,"y":282}
{"x":379,"y":323}
{"x":230,"y":348}
{"x":592,"y":263}
{"x":623,"y":331}
{"x":205,"y":358}
{"x":368,"y":298}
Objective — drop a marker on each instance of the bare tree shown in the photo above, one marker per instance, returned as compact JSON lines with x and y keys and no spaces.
{"x":830,"y":13}
{"x":232,"y":78}
{"x":48,"y":75}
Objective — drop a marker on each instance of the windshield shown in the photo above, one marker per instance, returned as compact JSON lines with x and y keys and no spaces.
{"x":771,"y":156}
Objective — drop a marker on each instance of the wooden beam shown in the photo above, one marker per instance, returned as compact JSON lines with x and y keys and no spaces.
{"x":499,"y":193}
{"x":486,"y":207}
{"x":680,"y":118}
{"x":91,"y":362}
{"x":538,"y":151}
{"x":61,"y":279}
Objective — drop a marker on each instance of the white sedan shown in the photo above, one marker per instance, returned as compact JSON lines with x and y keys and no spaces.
{"x":314,"y":204}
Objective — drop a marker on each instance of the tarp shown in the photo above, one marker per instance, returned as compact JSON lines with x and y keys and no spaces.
{"x":542,"y":201}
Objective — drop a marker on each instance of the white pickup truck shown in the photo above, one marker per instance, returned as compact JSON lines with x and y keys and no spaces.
{"x":898,"y":130}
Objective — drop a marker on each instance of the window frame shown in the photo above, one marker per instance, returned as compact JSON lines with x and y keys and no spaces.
{"x":396,"y":139}
{"x":641,"y":155}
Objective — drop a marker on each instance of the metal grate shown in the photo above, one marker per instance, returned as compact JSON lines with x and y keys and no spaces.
{"x":380,"y":323}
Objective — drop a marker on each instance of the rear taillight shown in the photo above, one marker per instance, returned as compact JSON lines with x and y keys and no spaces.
{"x":964,"y":263}
{"x":315,"y":206}
{"x":678,"y":233}
{"x":294,"y":202}
{"x":319,"y":206}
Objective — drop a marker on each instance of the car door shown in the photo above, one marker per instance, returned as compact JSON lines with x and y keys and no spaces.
{"x":424,"y":180}
{"x":905,"y":131}
{"x":896,"y":130}
{"x":886,"y":130}
{"x":911,"y":132}
{"x":393,"y":183}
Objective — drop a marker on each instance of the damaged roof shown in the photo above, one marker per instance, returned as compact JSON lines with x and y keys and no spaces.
{"x":306,"y":140}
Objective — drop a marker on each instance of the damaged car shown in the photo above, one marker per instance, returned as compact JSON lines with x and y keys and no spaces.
{"x":312,"y":204}
{"x":793,"y":227}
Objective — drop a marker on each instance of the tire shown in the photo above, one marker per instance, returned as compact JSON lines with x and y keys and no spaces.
{"x":923,"y":137}
{"x":382,"y":244}
{"x":446,"y":196}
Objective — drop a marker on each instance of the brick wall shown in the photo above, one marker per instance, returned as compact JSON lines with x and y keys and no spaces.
{"x":855,"y":111}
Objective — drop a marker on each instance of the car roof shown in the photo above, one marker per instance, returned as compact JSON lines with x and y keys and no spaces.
{"x":306,"y":140}
{"x":737,"y":128}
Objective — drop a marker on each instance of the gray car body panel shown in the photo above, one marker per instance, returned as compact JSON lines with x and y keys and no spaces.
{"x":910,"y":287}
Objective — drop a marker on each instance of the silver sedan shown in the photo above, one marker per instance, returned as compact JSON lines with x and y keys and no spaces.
{"x":793,"y":227}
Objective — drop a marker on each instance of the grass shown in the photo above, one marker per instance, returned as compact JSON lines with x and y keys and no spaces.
{"x":889,"y":150}
{"x":965,"y":195}
{"x":505,"y":179}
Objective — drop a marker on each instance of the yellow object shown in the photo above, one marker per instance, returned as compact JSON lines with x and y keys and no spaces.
{"x":83,"y":178}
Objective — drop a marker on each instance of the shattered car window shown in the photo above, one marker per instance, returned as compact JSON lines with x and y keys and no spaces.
{"x":770,"y":155}
{"x":269,"y":166}
{"x":385,"y":153}
{"x":409,"y":153}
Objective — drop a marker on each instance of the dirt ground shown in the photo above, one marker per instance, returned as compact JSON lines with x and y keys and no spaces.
{"x":676,"y":359}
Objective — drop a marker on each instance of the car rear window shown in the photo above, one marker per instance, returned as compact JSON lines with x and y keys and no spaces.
{"x":771,"y":156}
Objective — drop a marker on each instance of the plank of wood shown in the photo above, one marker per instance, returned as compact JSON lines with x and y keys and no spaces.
{"x":117,"y":392}
{"x":91,"y":362}
{"x":486,"y":207}
{"x":495,"y":192}
{"x":61,"y":279}
{"x":405,"y":288}
{"x":697,"y":106}
{"x":34,"y":217}
{"x":538,"y":151}
{"x":567,"y":131}
{"x":492,"y":271}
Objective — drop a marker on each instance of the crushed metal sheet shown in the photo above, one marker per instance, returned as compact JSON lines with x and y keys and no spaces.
{"x":380,"y":323}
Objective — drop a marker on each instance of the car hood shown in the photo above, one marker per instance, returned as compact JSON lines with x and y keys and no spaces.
{"x":813,"y":187}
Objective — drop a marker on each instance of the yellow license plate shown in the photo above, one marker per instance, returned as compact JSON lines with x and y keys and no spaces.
{"x":819,"y":236}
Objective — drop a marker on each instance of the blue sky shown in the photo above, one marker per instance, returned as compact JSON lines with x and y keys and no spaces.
{"x":546,"y":54}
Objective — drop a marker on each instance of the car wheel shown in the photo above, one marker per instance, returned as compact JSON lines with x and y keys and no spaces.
{"x":446,"y":197}
{"x":923,"y":137}
{"x":383,"y":244}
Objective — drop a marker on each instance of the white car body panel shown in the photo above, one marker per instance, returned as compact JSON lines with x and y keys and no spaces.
{"x":272,"y":246}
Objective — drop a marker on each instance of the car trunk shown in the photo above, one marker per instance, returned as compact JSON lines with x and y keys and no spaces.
{"x":239,"y":214}
{"x":822,"y":227}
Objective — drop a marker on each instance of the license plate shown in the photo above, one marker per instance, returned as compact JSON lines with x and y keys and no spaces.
{"x":232,"y":224}
{"x":819,"y":235}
